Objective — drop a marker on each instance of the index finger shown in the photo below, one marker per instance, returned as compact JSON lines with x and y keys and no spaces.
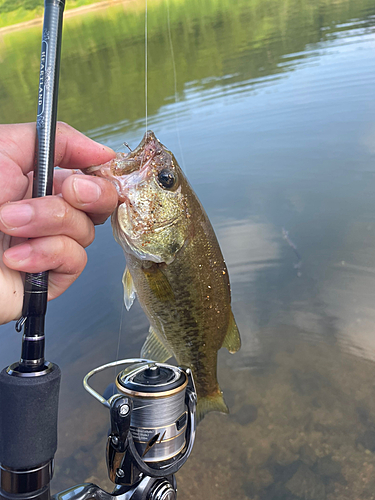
{"x":72,"y":149}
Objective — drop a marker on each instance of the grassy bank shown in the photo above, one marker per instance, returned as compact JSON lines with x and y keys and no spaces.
{"x":20,"y":11}
{"x":102,"y":75}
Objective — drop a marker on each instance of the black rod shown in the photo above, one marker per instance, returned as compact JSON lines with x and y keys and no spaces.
{"x":29,"y":389}
{"x":36,"y":284}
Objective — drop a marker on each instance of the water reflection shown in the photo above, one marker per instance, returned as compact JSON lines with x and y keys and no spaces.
{"x":275,"y":122}
{"x":249,"y":247}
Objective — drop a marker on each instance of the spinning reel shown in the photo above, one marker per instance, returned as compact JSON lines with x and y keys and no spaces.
{"x":152,"y":413}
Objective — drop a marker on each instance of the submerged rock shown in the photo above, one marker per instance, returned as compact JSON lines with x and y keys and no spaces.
{"x":363,"y":414}
{"x":282,"y":473}
{"x":329,"y":470}
{"x":246,"y":414}
{"x":367,"y":440}
{"x":306,"y":485}
{"x":307,"y":455}
{"x":277,"y":491}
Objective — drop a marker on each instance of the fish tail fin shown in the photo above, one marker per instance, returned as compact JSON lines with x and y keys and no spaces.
{"x":214,"y":402}
{"x":232,"y":340}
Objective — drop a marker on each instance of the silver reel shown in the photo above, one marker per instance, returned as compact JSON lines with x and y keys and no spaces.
{"x":152,"y":410}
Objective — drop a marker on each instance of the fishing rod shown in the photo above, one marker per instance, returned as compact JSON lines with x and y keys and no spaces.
{"x":29,"y":388}
{"x":152,"y":405}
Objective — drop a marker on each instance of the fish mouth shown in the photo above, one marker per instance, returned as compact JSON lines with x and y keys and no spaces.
{"x":116,"y":167}
{"x":147,"y":149}
{"x":126,"y":163}
{"x":120,"y":168}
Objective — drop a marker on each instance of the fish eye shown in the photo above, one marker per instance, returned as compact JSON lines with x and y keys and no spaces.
{"x":167,"y":178}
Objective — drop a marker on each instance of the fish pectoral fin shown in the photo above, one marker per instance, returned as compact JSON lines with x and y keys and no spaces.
{"x":232,"y":340}
{"x":159,"y":284}
{"x":129,"y":290}
{"x":154,"y":348}
{"x":211,"y":403}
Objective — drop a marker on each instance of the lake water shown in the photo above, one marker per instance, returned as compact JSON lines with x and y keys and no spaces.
{"x":272,"y":116}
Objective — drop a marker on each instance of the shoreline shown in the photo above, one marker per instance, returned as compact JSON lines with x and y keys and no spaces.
{"x":67,"y":13}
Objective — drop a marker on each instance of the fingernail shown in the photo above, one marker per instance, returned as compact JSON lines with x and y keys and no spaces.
{"x":86,"y":191}
{"x":19,"y":252}
{"x":16,"y":215}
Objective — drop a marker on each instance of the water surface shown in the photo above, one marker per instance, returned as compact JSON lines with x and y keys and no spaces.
{"x":273,"y":120}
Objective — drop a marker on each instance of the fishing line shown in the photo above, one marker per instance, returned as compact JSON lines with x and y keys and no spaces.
{"x":146,"y":60}
{"x":162,"y":410}
{"x":119,"y":335}
{"x":175,"y":87}
{"x":146,"y":121}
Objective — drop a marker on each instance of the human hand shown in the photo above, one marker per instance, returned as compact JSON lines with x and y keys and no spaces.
{"x":60,"y":226}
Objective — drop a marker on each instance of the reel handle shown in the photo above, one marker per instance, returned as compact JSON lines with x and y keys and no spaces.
{"x":117,"y":443}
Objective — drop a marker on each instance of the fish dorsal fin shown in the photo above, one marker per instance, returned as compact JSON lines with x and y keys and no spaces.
{"x":159,"y":284}
{"x":232,"y":340}
{"x":129,"y":290}
{"x":154,"y":348}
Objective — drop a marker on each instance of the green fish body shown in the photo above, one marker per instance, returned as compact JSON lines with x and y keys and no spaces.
{"x":174,"y":266}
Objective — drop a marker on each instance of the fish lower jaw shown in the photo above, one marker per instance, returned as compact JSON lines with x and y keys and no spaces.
{"x":105,"y":172}
{"x":92,"y":170}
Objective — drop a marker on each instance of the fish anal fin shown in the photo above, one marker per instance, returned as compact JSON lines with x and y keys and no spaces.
{"x":211,"y":403}
{"x":232,"y":340}
{"x":129,"y":290}
{"x":159,"y":284}
{"x":154,"y":348}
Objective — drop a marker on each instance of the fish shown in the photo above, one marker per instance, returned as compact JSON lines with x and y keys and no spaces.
{"x":174,"y":265}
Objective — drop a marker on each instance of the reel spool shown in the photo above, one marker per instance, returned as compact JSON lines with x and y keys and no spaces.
{"x":152,"y":425}
{"x":159,"y":418}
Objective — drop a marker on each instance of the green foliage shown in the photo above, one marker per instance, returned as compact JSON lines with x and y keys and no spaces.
{"x":10,"y":5}
{"x":102,"y":70}
{"x":18,"y":11}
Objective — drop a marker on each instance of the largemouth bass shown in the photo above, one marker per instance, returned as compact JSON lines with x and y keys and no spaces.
{"x":174,"y":265}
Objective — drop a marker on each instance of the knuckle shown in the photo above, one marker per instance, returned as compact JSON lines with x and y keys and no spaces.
{"x":77,"y":259}
{"x":61,"y":126}
{"x":90,"y":236}
{"x":63,"y":246}
{"x":83,"y":261}
{"x":71,"y":255}
{"x":73,"y":223}
{"x":63,"y":131}
{"x":62,"y":213}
